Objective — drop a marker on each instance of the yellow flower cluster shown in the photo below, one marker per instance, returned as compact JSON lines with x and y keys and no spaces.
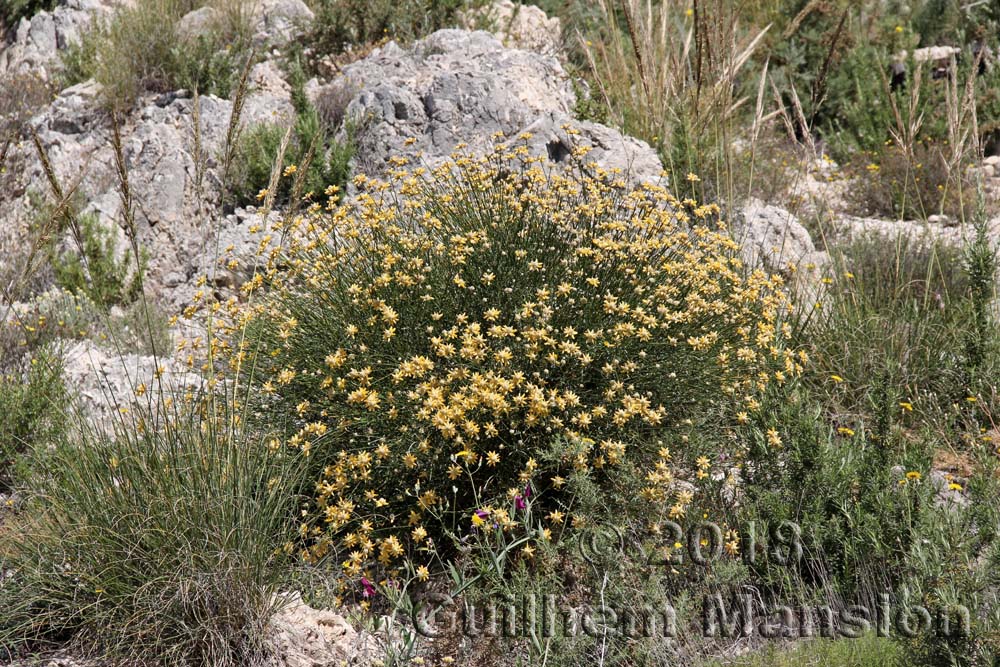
{"x":455,"y":334}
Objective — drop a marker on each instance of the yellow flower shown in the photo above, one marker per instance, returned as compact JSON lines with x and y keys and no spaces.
{"x":913,"y":475}
{"x":906,"y":405}
{"x":423,"y":574}
{"x":836,"y":379}
{"x":843,"y":430}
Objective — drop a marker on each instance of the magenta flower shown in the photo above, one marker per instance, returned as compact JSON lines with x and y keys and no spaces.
{"x":369,"y":591}
{"x":519,"y":499}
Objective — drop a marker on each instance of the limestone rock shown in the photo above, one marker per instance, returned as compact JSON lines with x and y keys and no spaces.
{"x":278,"y":21}
{"x":519,"y":26}
{"x":198,"y":22}
{"x":772,"y":237}
{"x":458,"y":87}
{"x":302,"y":636}
{"x":37,"y":42}
{"x":104,"y":381}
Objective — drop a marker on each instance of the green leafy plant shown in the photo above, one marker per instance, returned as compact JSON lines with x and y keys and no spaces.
{"x":32,"y":402}
{"x":94,"y":268}
{"x":12,"y":11}
{"x":341,"y":24}
{"x":139,"y":49}
{"x":325,"y":160}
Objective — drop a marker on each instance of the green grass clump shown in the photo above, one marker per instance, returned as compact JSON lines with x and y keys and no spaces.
{"x":896,"y":312}
{"x":160,"y":542}
{"x":341,"y":24}
{"x":139,"y":49}
{"x":327,"y":165}
{"x":867,"y":651}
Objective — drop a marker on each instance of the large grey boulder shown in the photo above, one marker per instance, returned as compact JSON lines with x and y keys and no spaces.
{"x":457,"y":87}
{"x":771,"y":237}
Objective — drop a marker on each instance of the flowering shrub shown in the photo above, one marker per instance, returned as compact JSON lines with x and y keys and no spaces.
{"x":457,"y":340}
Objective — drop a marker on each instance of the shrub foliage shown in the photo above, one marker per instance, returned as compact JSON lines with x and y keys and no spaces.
{"x":457,"y":340}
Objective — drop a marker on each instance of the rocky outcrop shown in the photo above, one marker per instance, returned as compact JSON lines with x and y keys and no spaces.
{"x":176,"y":180}
{"x":35,"y":43}
{"x":519,"y":26}
{"x":454,"y":87}
{"x":774,"y":239}
{"x":107,"y":384}
{"x":457,"y":87}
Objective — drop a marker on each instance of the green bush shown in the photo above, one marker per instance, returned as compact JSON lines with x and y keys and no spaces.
{"x":140,"y":50}
{"x":173,"y":525}
{"x":341,"y":24}
{"x":32,"y":402}
{"x":12,"y":11}
{"x":489,"y":330}
{"x":258,"y":149}
{"x":93,"y":268}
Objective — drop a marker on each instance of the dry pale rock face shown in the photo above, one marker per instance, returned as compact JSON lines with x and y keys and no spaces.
{"x":174,"y":201}
{"x":104,"y":381}
{"x":36,"y":42}
{"x":302,"y":636}
{"x":459,"y":87}
{"x":519,"y":26}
